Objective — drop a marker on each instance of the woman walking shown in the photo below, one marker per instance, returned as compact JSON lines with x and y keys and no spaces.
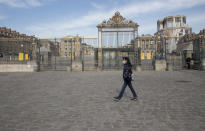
{"x":127,"y":77}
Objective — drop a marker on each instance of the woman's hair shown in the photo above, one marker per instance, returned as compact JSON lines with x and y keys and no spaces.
{"x":128,"y":60}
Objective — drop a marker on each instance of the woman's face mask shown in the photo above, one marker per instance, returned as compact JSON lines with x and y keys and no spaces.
{"x":124,"y":62}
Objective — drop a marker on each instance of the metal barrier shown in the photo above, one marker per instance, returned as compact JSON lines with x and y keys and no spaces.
{"x":14,"y":59}
{"x":112,"y":58}
{"x":174,"y":62}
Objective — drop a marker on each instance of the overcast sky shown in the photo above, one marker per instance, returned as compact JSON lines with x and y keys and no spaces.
{"x":58,"y":18}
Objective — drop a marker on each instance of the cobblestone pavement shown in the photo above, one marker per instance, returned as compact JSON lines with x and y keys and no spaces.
{"x":82,"y":101}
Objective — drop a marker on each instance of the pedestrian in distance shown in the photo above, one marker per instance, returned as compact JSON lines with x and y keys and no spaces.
{"x":127,"y":77}
{"x":188,"y":62}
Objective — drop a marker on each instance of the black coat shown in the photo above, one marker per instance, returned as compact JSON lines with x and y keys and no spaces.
{"x":127,"y":72}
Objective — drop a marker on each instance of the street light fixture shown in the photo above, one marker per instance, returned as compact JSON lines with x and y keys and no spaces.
{"x":71,"y":42}
{"x":55,"y":52}
{"x":22,"y":51}
{"x":38,"y":58}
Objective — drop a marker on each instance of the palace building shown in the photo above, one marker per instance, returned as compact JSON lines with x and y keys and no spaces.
{"x":193,"y":46}
{"x":12,"y":43}
{"x":173,"y":28}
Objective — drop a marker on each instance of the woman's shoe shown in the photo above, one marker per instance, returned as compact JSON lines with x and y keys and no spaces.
{"x":134,"y":98}
{"x":116,"y":98}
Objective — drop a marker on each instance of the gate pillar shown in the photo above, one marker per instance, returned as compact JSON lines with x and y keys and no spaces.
{"x":203,"y":53}
{"x":160,"y":65}
{"x":99,"y":58}
{"x":77,"y":66}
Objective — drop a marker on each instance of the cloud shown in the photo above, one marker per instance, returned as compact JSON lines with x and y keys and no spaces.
{"x":158,"y":5}
{"x":97,"y":6}
{"x":24,"y":3}
{"x":34,"y":3}
{"x":14,"y":3}
{"x":69,"y":26}
{"x":96,"y":16}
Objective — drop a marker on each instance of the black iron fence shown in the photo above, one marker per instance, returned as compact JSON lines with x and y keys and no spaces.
{"x":174,"y":62}
{"x":14,"y":58}
{"x":49,"y":61}
{"x":112,"y":58}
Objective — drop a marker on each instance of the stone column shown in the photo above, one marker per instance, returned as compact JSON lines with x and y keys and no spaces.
{"x":138,"y":66}
{"x":99,"y":49}
{"x":99,"y":38}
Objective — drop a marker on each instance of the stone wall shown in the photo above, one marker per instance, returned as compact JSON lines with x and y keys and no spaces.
{"x":76,"y":66}
{"x":18,"y":67}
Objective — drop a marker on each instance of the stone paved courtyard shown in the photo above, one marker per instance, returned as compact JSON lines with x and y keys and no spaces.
{"x":82,"y":101}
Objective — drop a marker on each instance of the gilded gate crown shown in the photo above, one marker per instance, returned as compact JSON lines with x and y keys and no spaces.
{"x":119,"y":21}
{"x":117,"y":18}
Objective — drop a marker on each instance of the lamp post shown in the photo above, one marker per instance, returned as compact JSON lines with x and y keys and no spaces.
{"x":155,"y":47}
{"x":38,"y":58}
{"x":162,"y":47}
{"x":22,"y":47}
{"x":74,"y":42}
{"x":166,"y":52}
{"x":22,"y":52}
{"x":82,"y":52}
{"x":71,"y":61}
{"x":138,"y":52}
{"x":165,"y":47}
{"x":55,"y":52}
{"x":33,"y":45}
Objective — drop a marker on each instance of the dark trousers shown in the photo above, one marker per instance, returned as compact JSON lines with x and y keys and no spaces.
{"x":188,"y":65}
{"x":124,"y":87}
